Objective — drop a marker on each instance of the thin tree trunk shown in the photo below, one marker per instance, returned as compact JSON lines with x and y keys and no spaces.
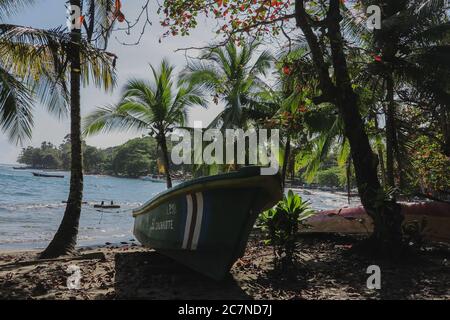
{"x":65,"y":238}
{"x":348,"y":176}
{"x":382,"y":167}
{"x":398,"y":158}
{"x":380,"y":156}
{"x":292,"y":165}
{"x":166,"y":161}
{"x":445,"y":122}
{"x":287,"y":152}
{"x":390,"y":132}
{"x":90,"y":29}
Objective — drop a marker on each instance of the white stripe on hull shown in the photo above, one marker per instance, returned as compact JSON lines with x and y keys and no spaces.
{"x":188,"y":221}
{"x":198,"y":221}
{"x":198,"y":224}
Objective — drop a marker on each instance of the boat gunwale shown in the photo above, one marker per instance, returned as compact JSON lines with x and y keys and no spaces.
{"x":222,"y":181}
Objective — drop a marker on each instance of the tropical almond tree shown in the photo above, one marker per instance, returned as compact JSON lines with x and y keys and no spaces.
{"x":321,"y":26}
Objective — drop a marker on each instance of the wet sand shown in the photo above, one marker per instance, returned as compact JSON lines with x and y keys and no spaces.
{"x":326,"y":269}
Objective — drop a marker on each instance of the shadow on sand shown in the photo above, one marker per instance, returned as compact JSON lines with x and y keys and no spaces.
{"x":150,"y":275}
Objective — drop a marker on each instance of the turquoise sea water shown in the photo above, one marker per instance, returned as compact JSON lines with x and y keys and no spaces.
{"x":31,"y":207}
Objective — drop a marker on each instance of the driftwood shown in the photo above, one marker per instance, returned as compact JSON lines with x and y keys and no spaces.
{"x":87,"y":256}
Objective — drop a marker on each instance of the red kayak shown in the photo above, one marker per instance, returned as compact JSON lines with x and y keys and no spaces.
{"x":434,"y":216}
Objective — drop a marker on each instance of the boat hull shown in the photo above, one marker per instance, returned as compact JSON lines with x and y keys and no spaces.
{"x":205,"y":224}
{"x":47,"y":175}
{"x":434,"y":216}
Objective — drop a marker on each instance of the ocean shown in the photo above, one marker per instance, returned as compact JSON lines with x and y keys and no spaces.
{"x":31,"y":208}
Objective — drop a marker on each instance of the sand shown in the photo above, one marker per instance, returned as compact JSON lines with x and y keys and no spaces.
{"x":326,"y":269}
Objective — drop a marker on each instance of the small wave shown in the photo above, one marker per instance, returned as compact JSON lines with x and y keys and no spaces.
{"x":35,"y":206}
{"x":91,"y":203}
{"x":29,"y":240}
{"x":20,"y":193}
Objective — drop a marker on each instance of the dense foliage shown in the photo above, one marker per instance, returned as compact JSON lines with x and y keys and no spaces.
{"x":137,"y":157}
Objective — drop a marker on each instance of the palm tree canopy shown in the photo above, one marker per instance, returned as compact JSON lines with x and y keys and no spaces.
{"x":34,"y":63}
{"x":158,"y":105}
{"x":230,"y":74}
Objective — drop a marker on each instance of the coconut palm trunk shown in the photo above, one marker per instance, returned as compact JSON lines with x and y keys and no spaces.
{"x":65,"y":238}
{"x":166,"y":162}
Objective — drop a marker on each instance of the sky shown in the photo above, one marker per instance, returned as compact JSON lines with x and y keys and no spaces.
{"x":133,"y":62}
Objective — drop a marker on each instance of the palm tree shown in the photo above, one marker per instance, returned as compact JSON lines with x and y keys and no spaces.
{"x":64,"y":240}
{"x":157,"y":107}
{"x":277,"y":106}
{"x":230,"y":74}
{"x":53,"y":64}
{"x":414,"y":44}
{"x":410,"y":47}
{"x":80,"y":71}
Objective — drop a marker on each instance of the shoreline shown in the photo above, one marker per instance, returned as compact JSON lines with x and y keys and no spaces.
{"x":326,"y":269}
{"x":85,"y":174}
{"x":335,"y":190}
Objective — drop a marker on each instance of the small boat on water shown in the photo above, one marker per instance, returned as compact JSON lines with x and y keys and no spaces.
{"x":106,"y":206}
{"x":205,"y":223}
{"x":160,"y":179}
{"x":432,"y":217}
{"x":47,"y":175}
{"x":156,"y":179}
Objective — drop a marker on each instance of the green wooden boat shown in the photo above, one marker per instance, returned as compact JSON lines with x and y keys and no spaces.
{"x":205,"y":223}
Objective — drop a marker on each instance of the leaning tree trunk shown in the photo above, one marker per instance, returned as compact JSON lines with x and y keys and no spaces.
{"x":386,"y":214}
{"x":65,"y":238}
{"x":166,"y":162}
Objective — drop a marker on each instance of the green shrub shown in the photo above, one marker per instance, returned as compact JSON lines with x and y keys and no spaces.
{"x":329,"y":177}
{"x":281,"y":225}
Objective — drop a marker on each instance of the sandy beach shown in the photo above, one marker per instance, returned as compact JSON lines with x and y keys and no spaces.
{"x":326,"y":269}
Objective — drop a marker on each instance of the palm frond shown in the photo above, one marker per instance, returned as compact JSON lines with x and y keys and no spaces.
{"x":147,"y":105}
{"x":10,"y":7}
{"x":113,"y":118}
{"x":15,"y":108}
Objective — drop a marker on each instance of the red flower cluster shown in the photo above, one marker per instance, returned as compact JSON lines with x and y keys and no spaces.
{"x":286,"y":70}
{"x":118,"y":13}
